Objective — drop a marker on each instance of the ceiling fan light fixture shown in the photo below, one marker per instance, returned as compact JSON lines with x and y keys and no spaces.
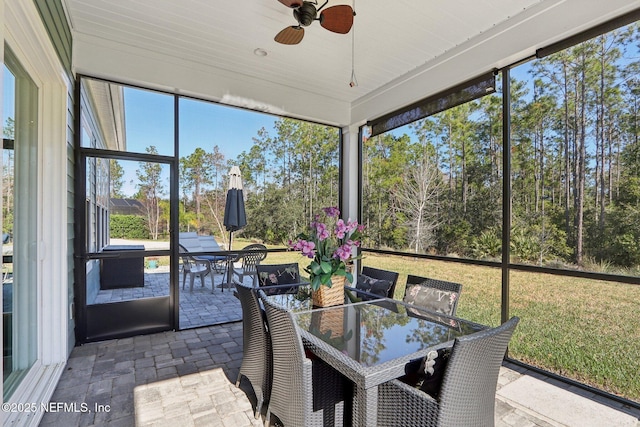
{"x":305,"y":14}
{"x":337,"y":19}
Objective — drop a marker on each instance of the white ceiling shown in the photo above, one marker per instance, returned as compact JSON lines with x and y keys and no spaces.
{"x":404,"y":50}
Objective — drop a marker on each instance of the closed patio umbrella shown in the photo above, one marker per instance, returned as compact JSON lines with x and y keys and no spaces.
{"x":235,"y":217}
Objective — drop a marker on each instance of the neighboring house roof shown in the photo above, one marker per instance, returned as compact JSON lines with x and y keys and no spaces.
{"x":126,"y":206}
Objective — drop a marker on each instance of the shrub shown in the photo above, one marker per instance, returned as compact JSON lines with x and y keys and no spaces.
{"x":128,"y":227}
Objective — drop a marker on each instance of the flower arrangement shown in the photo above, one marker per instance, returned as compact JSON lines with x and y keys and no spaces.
{"x":328,"y":243}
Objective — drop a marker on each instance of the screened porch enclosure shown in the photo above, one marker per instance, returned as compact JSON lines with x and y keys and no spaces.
{"x":532,"y":183}
{"x":138,"y":148}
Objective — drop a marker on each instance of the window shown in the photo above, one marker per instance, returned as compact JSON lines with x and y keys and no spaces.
{"x":19,"y":213}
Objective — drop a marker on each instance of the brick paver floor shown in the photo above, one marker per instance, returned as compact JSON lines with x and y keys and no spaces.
{"x":187,"y":378}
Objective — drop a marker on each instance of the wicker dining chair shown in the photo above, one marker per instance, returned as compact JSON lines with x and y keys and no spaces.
{"x":376,"y":273}
{"x":256,"y":350}
{"x":468,"y":391}
{"x":277,"y":275}
{"x":304,"y":392}
{"x":423,"y":292}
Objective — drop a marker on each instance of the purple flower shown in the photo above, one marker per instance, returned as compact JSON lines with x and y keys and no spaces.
{"x":296,"y":246}
{"x":355,"y":243}
{"x":343,"y":252}
{"x":331,"y":211}
{"x":308,"y":248}
{"x":341,"y":229}
{"x":351,"y":226}
{"x":321,"y":230}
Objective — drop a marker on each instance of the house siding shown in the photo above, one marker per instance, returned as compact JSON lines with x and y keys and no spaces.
{"x":55,"y":22}
{"x":70,"y":217}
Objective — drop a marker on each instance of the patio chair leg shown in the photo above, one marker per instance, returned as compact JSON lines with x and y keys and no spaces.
{"x":267,"y":419}
{"x":192,"y":279}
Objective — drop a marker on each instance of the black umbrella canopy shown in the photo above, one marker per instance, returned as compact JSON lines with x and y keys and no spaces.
{"x":235,"y":217}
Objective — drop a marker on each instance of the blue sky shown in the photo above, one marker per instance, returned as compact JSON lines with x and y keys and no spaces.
{"x":149,"y":121}
{"x":203,"y":124}
{"x":8,"y":95}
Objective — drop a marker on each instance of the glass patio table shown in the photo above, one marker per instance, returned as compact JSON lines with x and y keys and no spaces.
{"x":370,"y":342}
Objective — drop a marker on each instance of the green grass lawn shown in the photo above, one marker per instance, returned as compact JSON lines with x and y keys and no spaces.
{"x":582,"y":329}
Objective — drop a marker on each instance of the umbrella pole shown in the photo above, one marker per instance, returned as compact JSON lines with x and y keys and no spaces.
{"x":229,"y":263}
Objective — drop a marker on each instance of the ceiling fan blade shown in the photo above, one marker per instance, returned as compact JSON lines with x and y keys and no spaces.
{"x":338,"y":19}
{"x":290,"y":35}
{"x":291,"y":3}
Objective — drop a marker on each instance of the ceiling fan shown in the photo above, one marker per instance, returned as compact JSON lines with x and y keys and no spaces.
{"x":338,"y":19}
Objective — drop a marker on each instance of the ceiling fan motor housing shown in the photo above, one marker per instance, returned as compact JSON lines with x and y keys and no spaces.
{"x":305,"y":14}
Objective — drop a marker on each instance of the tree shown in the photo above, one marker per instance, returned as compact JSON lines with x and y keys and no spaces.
{"x":383,"y":156}
{"x":150,"y":189}
{"x":196,"y":173}
{"x":297,"y":168}
{"x":9,"y":128}
{"x":116,"y":175}
{"x":418,"y":198}
{"x":8,"y":172}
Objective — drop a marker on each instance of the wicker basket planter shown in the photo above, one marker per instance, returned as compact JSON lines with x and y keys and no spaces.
{"x":329,"y":323}
{"x":330,"y":296}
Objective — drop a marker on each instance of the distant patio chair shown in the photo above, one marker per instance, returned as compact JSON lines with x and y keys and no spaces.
{"x":467,"y":394}
{"x":192,"y":267}
{"x":434,"y":295}
{"x":194,"y":242}
{"x":249,"y":258}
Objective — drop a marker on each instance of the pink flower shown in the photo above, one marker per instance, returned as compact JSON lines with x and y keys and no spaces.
{"x":295,"y":246}
{"x":332,"y":211}
{"x":308,"y":248}
{"x":322,"y":231}
{"x":343,"y":252}
{"x":341,"y":229}
{"x":351,"y":226}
